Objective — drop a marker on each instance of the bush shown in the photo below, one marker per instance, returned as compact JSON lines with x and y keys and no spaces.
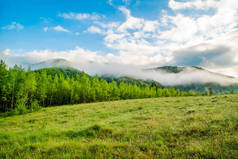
{"x":34,"y":106}
{"x":21,"y":106}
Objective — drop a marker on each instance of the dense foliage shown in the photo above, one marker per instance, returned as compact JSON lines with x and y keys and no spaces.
{"x":21,"y":90}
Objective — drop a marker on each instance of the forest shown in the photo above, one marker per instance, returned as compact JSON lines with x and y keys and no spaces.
{"x":26,"y":90}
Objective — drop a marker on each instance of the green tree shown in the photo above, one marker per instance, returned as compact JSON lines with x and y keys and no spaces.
{"x":30,"y":86}
{"x":3,"y":86}
{"x":97,"y":94}
{"x":85,"y":88}
{"x":42,"y":87}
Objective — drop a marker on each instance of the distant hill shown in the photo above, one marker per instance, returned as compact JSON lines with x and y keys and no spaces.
{"x":196,"y":86}
{"x":62,"y":66}
{"x":60,"y":63}
{"x":72,"y":72}
{"x":69,"y":71}
{"x":139,"y":82}
{"x":179,"y":69}
{"x":175,"y":69}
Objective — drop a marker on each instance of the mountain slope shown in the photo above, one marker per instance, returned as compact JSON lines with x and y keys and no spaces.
{"x":185,"y":78}
{"x":179,"y":69}
{"x":132,"y":80}
{"x":61,"y":63}
{"x":175,"y":69}
{"x":69,"y":71}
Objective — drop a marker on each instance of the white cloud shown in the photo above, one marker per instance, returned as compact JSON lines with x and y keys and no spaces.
{"x":197,"y":4}
{"x":126,"y":11}
{"x":60,"y":29}
{"x":109,"y":25}
{"x":6,"y":52}
{"x":185,"y":29}
{"x":190,"y":30}
{"x":94,"y":29}
{"x":45,"y":29}
{"x":79,"y":16}
{"x":196,"y":36}
{"x":13,"y":25}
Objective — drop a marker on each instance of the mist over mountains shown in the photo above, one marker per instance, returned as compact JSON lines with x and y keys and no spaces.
{"x":166,"y":75}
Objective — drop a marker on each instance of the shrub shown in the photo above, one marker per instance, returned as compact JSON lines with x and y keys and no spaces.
{"x":34,"y":106}
{"x":21,"y":106}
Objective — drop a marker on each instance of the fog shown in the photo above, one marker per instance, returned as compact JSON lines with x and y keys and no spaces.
{"x":188,"y":76}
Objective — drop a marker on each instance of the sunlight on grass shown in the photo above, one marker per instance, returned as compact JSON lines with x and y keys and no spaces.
{"x":182,"y":127}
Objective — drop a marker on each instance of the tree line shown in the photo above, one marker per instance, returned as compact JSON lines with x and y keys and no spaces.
{"x":21,"y":89}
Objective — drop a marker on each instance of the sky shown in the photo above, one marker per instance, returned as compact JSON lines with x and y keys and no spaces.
{"x":137,"y":33}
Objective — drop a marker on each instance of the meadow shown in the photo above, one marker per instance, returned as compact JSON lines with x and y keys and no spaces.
{"x":166,"y":127}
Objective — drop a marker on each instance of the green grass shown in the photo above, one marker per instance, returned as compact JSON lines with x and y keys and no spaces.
{"x":184,"y":127}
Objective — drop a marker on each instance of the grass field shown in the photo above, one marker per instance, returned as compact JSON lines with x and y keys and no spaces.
{"x":183,"y":127}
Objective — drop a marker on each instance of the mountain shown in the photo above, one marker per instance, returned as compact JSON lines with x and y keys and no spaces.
{"x":179,"y":69}
{"x":72,"y":72}
{"x":65,"y":71}
{"x":132,"y":80}
{"x":175,"y":69}
{"x":60,"y":63}
{"x":183,"y":77}
{"x":202,"y":79}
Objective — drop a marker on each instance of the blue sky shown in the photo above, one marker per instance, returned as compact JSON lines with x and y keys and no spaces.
{"x":34,"y":15}
{"x":141,"y":33}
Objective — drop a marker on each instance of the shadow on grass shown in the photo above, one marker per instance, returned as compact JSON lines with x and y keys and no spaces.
{"x":97,"y":131}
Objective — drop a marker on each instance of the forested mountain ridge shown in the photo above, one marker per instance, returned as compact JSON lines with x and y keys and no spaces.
{"x":63,"y":63}
{"x":65,"y":71}
{"x":72,"y":73}
{"x":58,"y":66}
{"x":131,"y":80}
{"x":201,"y":87}
{"x":22,"y":90}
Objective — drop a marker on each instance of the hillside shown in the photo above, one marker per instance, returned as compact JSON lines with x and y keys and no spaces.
{"x":60,"y":63}
{"x":69,"y":71}
{"x":187,"y":77}
{"x":72,"y":72}
{"x":184,"y":127}
{"x":201,"y":87}
{"x":176,"y":69}
{"x":125,"y":79}
{"x":187,"y":69}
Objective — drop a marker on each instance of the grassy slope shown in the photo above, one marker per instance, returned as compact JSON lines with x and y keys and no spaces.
{"x":184,"y":127}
